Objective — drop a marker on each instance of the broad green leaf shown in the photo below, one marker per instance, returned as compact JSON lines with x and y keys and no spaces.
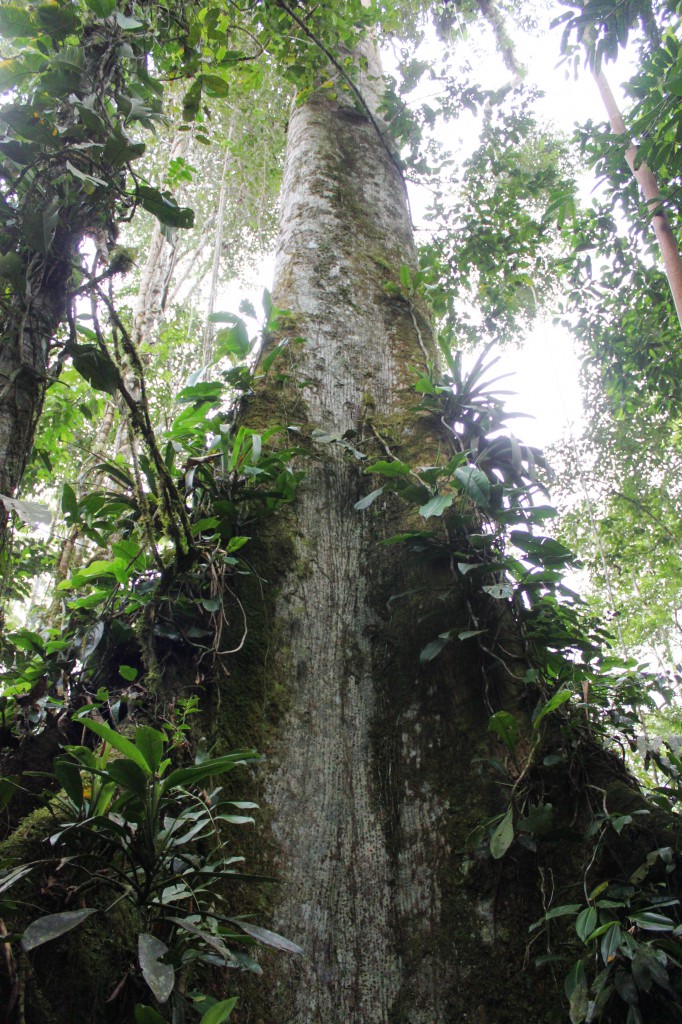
{"x":16,"y":21}
{"x":647,"y":969}
{"x":219,"y":1012}
{"x":538,"y":821}
{"x":102,"y":8}
{"x":506,"y":727}
{"x":151,"y":743}
{"x":575,"y":987}
{"x":8,"y":787}
{"x":148,"y":1015}
{"x":233,"y":341}
{"x":69,"y":777}
{"x":164,"y":207}
{"x":215,"y":85}
{"x":126,"y":23}
{"x":437,"y":505}
{"x":119,"y":150}
{"x":586,"y":922}
{"x":159,"y":976}
{"x":44,"y":929}
{"x":433,"y":648}
{"x":95,"y":366}
{"x":58,"y":20}
{"x":39,"y":226}
{"x":475,"y":483}
{"x":118,"y":742}
{"x":11,"y":265}
{"x":70,"y":503}
{"x":192,"y":100}
{"x":503,"y":836}
{"x":128,"y":775}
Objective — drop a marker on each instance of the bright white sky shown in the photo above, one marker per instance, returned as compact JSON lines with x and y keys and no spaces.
{"x":545,"y":370}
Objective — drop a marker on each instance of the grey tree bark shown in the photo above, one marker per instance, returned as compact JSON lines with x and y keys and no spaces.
{"x":373,"y":781}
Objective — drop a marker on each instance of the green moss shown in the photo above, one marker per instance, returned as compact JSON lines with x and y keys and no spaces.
{"x":68,"y":980}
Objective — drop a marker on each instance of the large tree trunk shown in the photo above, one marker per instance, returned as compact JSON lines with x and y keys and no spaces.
{"x":374,"y":779}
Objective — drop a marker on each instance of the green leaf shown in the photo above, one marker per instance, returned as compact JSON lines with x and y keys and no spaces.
{"x":8,"y":787}
{"x":126,"y":23}
{"x":215,"y":85}
{"x":233,"y":341}
{"x":503,"y":836}
{"x":213,"y":766}
{"x":610,"y":942}
{"x":559,"y":698}
{"x":16,"y":22}
{"x":147,"y":1015}
{"x":506,"y":727}
{"x":129,"y":776}
{"x":69,"y":777}
{"x":151,"y":743}
{"x":647,"y":969}
{"x":652,"y":922}
{"x":475,"y":483}
{"x":436,"y":506}
{"x":219,"y":1012}
{"x":405,"y":278}
{"x":389,"y":469}
{"x":70,"y":503}
{"x":538,"y":821}
{"x":58,"y":20}
{"x":164,"y":208}
{"x":44,"y":929}
{"x":192,"y":101}
{"x":586,"y":922}
{"x":118,"y":742}
{"x":160,"y":977}
{"x":433,"y":649}
{"x":575,"y":987}
{"x":266,"y":937}
{"x":119,"y":150}
{"x":102,"y":8}
{"x":11,"y":265}
{"x":95,"y":366}
{"x":368,"y":499}
{"x":39,"y":226}
{"x":128,"y":672}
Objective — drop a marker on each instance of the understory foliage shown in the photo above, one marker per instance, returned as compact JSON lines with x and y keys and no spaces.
{"x":143,"y":494}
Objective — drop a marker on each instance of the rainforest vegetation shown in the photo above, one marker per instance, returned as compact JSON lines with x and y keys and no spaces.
{"x":326,"y":699}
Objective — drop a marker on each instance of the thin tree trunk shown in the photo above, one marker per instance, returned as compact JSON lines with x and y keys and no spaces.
{"x":649,"y":186}
{"x":207,"y":339}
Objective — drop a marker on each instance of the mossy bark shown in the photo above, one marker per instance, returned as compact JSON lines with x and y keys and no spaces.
{"x":375,"y":770}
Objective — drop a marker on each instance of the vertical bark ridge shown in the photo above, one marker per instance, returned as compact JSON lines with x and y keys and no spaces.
{"x":356,"y":842}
